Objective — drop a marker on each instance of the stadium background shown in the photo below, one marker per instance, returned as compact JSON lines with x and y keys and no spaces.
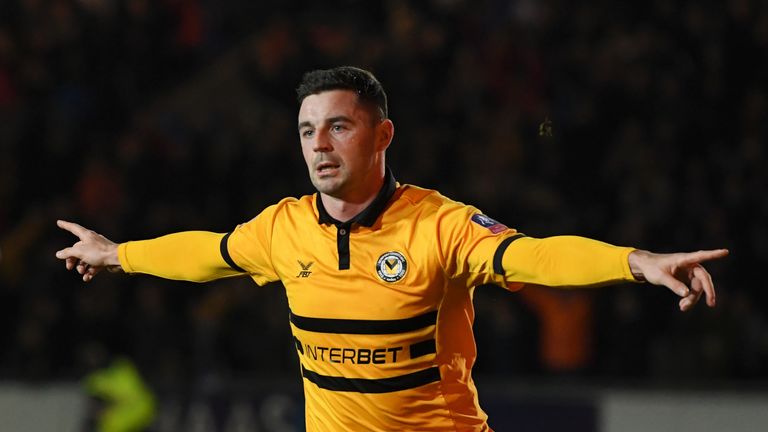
{"x":136,"y":118}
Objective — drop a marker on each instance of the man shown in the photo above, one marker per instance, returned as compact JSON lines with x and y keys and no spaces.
{"x":380,"y":276}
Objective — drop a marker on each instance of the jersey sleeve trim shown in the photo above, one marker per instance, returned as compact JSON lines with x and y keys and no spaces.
{"x":225,"y":254}
{"x":498,"y":266}
{"x":122,"y":255}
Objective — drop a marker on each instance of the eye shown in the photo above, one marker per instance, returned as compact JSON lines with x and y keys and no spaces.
{"x":337,"y":128}
{"x":307,"y":133}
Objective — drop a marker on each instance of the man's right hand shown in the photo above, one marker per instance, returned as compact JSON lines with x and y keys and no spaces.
{"x":91,"y":254}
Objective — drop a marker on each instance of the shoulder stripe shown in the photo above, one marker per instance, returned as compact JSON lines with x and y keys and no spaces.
{"x":383,"y":385}
{"x":226,"y":256}
{"x":498,"y":268}
{"x":372,"y":327}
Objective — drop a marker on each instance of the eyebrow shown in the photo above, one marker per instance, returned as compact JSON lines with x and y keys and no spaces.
{"x":335,"y":119}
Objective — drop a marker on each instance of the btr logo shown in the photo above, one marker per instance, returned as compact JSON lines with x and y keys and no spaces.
{"x":304,"y":272}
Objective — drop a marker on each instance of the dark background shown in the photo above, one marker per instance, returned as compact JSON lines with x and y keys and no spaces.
{"x":138,"y":118}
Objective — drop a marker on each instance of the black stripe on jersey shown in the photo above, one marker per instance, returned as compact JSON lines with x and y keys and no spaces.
{"x":342,"y":244}
{"x":372,"y":327}
{"x":498,"y":268}
{"x":423,"y":348}
{"x":383,"y":385}
{"x":367,"y":217}
{"x":226,"y":256}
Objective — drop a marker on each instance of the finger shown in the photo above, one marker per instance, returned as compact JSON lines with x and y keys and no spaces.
{"x":690,"y":300}
{"x":673,"y":284}
{"x":702,"y":276}
{"x":71,"y":262}
{"x":704,"y":255}
{"x":684,"y":304}
{"x":67,"y":253}
{"x":78,"y":230}
{"x":82,"y":267}
{"x":90,"y":273}
{"x":696,"y":291}
{"x":74,"y":251}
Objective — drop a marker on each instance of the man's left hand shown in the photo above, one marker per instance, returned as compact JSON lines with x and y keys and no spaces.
{"x":680,"y":272}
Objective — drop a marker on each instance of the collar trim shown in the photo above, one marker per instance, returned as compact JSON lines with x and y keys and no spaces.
{"x":368,"y":216}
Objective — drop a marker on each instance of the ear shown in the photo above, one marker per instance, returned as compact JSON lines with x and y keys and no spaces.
{"x":385,"y":131}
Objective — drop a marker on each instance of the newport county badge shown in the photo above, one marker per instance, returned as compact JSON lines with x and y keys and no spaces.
{"x":391,"y":266}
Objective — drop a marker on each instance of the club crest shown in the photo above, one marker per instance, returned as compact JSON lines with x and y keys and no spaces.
{"x":391,"y":266}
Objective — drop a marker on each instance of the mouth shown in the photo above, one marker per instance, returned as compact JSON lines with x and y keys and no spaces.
{"x":326,"y":168}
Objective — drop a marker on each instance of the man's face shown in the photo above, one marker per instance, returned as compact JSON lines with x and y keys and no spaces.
{"x":343,"y":143}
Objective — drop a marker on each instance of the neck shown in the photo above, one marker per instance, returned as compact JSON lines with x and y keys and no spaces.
{"x":344,"y":209}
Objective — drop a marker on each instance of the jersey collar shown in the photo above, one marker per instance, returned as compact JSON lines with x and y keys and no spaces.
{"x":368,"y":216}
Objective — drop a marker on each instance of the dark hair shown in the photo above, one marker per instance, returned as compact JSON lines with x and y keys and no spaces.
{"x":362,"y":82}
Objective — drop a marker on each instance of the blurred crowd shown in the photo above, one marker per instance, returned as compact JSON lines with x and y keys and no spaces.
{"x":137,"y":118}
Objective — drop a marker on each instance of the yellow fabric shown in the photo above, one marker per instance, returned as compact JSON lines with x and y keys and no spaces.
{"x":190,"y":256}
{"x":441,"y":247}
{"x":564,"y":261}
{"x":445,"y":254}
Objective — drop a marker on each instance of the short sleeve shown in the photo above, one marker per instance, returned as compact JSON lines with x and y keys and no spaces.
{"x":249,"y":247}
{"x":469,"y":241}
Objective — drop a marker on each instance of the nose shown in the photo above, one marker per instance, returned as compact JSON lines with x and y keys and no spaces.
{"x":322,"y":143}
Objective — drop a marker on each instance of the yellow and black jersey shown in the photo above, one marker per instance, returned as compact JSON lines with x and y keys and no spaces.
{"x":381,"y":306}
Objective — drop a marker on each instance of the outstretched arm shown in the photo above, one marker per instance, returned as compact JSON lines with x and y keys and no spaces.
{"x":569,"y":261}
{"x":192,"y":256}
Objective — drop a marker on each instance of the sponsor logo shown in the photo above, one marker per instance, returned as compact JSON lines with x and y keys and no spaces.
{"x":391,"y":266}
{"x":304,"y":272}
{"x":352,"y":355}
{"x":368,"y":355}
{"x":486,"y":222}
